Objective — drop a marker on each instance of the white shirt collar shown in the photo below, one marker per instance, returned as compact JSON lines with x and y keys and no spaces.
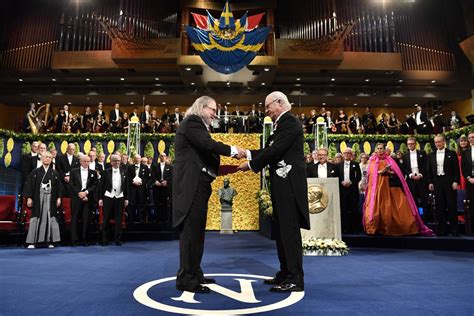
{"x":84,"y":169}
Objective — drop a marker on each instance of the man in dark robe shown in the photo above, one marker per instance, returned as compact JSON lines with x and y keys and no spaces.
{"x":43,"y":192}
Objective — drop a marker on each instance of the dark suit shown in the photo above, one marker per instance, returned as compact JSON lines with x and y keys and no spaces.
{"x":349,"y":198}
{"x":161,"y":193}
{"x":174,"y":122}
{"x":445,"y":196}
{"x":191,"y":189}
{"x":112,"y":206}
{"x":312,"y":170}
{"x":114,"y":125}
{"x":289,"y":193}
{"x":97,"y":113}
{"x":424,"y":126}
{"x":146,"y":126}
{"x":467,"y":168}
{"x":64,"y":168}
{"x":137,"y":195}
{"x":418,"y":188}
{"x":77,"y":205}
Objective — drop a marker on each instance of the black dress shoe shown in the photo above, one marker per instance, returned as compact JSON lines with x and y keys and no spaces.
{"x":208,"y":281}
{"x":273,"y":281}
{"x":85,"y":244}
{"x":73,"y":244}
{"x":286,"y":287}
{"x":197,"y":289}
{"x":118,"y":243}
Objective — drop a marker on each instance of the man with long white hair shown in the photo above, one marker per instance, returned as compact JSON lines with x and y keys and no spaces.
{"x":284,"y":154}
{"x":196,"y":166}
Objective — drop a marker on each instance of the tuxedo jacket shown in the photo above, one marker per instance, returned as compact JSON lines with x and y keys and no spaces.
{"x":63,"y":165}
{"x":143,"y":173}
{"x":422,"y":160}
{"x":312,"y":170}
{"x":75,"y":182}
{"x":466,"y":163}
{"x":450,"y":166}
{"x":355,"y":175}
{"x":107,"y":185}
{"x":194,"y":150}
{"x":113,"y":117}
{"x":28,"y":164}
{"x":284,"y":154}
{"x":156,"y":173}
{"x":96,"y":114}
{"x":143,"y":117}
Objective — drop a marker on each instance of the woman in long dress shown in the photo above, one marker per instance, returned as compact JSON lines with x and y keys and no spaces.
{"x":389,"y":210}
{"x":43,"y":193}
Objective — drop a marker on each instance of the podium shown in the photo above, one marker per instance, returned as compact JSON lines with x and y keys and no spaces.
{"x":324,"y":208}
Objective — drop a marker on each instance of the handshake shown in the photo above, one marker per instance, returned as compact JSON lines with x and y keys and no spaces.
{"x":241,"y":153}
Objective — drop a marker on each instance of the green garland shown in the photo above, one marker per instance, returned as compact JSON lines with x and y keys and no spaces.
{"x":2,"y":147}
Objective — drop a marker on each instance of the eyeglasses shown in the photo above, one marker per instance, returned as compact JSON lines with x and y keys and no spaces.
{"x":213,"y":109}
{"x":268,"y":104}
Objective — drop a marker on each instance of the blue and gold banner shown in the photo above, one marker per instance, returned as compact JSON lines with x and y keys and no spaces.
{"x":226,"y":44}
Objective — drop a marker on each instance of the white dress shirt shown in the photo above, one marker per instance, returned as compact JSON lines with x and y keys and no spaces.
{"x":117,"y":114}
{"x":92,"y":165}
{"x":414,"y":163}
{"x":347,"y":168}
{"x":418,"y":118}
{"x":162,"y":167}
{"x":323,"y":170}
{"x":440,"y":162}
{"x":84,"y":176}
{"x":116,"y":185}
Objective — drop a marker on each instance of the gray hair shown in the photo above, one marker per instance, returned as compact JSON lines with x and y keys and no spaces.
{"x":199,"y":105}
{"x":277,"y":95}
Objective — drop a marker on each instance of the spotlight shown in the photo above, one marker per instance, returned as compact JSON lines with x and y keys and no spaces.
{"x":367,"y":80}
{"x":157,"y":79}
{"x":401,"y":80}
{"x":266,"y":69}
{"x":187,"y":68}
{"x":88,"y":79}
{"x":333,"y":79}
{"x":164,"y":103}
{"x":263,"y":83}
{"x":433,"y":81}
{"x":298,"y":79}
{"x":122,"y":79}
{"x":21,"y":80}
{"x":54,"y":79}
{"x":192,"y":83}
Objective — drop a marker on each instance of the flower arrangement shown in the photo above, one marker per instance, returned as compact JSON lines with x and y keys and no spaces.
{"x":324,"y":247}
{"x":265,"y":202}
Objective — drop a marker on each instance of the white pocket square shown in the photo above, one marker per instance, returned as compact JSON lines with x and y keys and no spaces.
{"x":283,"y":170}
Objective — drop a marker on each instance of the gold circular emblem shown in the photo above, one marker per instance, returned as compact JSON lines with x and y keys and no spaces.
{"x":317,"y":198}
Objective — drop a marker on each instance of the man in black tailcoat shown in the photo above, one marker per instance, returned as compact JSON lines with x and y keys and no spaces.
{"x":284,"y":154}
{"x":445,"y":176}
{"x":467,"y":167}
{"x":196,"y":166}
{"x":415,"y":168}
{"x":349,"y":178}
{"x":83,"y":183}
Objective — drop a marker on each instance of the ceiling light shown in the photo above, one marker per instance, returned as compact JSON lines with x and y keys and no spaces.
{"x":333,"y":79}
{"x":433,"y":81}
{"x":87,"y":79}
{"x":263,"y":83}
{"x":157,"y":79}
{"x":266,"y":69}
{"x":260,"y":103}
{"x":69,"y":103}
{"x":298,"y":79}
{"x":131,"y":102}
{"x":54,"y":79}
{"x":21,"y":80}
{"x":386,"y":104}
{"x":367,"y":80}
{"x":192,"y":83}
{"x":187,"y":68}
{"x":324,"y":103}
{"x":355,"y":104}
{"x":401,"y":80}
{"x":122,"y":79}
{"x":163,"y":102}
{"x":228,"y":103}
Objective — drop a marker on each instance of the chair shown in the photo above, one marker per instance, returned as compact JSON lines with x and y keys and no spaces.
{"x":8,"y":215}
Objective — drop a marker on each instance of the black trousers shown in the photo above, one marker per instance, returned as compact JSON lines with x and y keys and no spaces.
{"x":288,"y":242}
{"x":81,"y":210}
{"x":419,"y":190}
{"x":137,"y":209}
{"x":160,"y":199}
{"x":446,"y":203}
{"x":351,"y":219}
{"x":112,"y":207}
{"x":191,"y":236}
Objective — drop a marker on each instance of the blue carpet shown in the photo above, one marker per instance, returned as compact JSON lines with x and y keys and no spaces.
{"x":102,"y":281}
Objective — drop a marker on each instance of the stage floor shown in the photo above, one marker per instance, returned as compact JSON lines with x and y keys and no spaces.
{"x":119,"y":281}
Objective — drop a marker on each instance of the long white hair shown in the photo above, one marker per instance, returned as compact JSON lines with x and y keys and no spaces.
{"x":199,"y":105}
